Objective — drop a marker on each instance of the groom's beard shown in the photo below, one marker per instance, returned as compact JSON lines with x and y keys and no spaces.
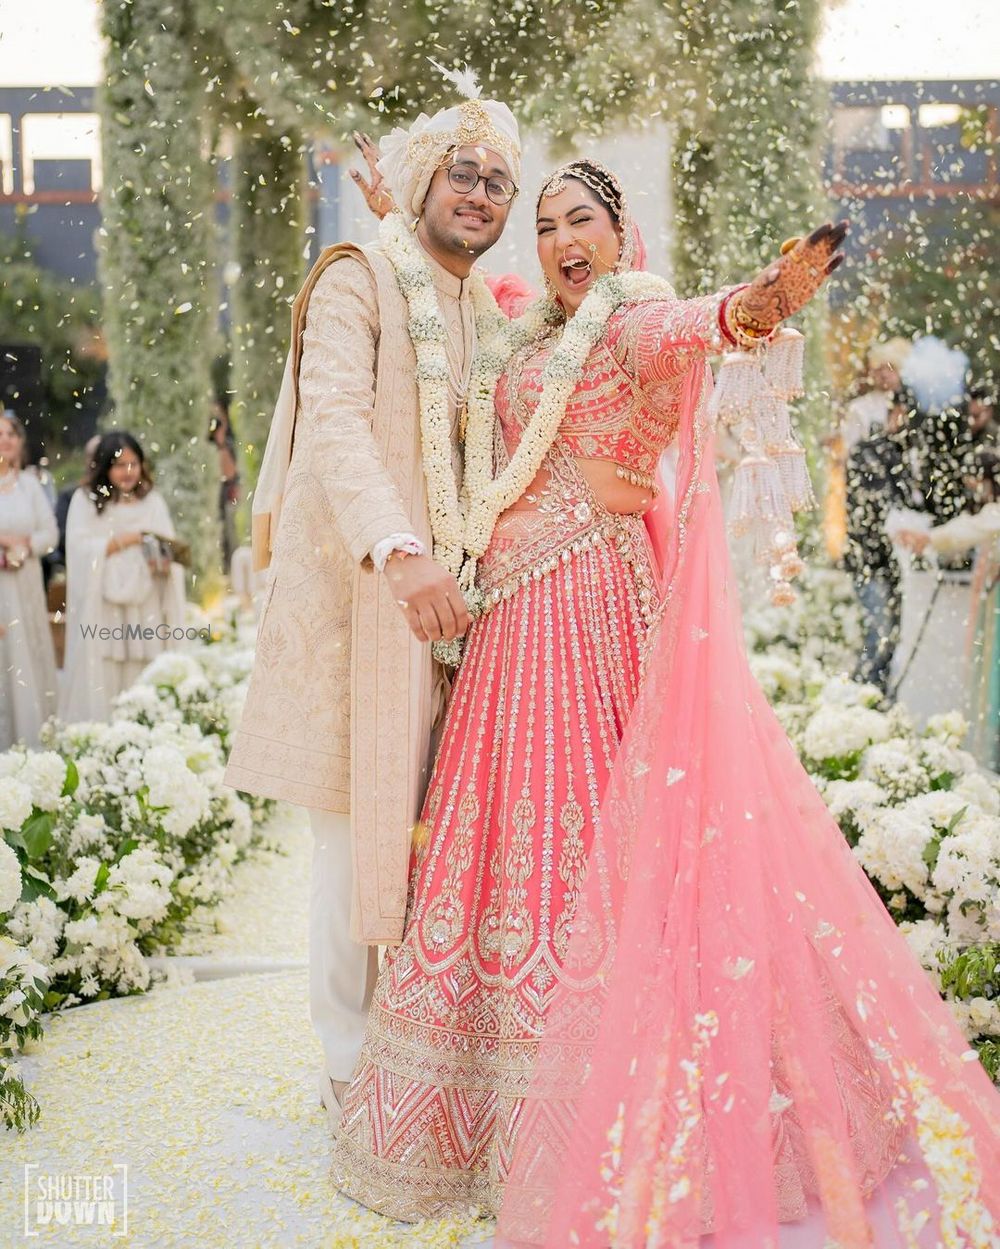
{"x":445,"y":229}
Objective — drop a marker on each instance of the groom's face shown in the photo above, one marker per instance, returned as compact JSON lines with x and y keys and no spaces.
{"x":467,"y":223}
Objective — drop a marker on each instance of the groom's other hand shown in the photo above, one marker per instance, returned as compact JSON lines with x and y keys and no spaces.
{"x":428,"y":597}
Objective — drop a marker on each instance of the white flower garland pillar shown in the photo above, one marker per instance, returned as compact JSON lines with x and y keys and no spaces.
{"x":156,"y":242}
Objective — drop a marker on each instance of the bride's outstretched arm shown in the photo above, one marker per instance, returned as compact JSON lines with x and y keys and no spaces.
{"x":787,"y":285}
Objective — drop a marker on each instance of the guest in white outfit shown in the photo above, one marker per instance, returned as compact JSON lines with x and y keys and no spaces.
{"x":124,"y":595}
{"x":27,"y":532}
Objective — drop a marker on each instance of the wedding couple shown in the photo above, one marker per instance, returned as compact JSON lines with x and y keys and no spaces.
{"x":639,"y":991}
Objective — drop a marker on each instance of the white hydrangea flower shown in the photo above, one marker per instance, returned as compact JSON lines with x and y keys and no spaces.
{"x":844,"y":692}
{"x":984,"y":1015}
{"x":834,"y":731}
{"x":144,"y":700}
{"x":893,"y":764}
{"x":193,"y":688}
{"x":951,"y":727}
{"x":38,"y":926}
{"x":777,"y":675}
{"x":942,"y":807}
{"x":968,"y":863}
{"x":15,"y":803}
{"x":843,"y":796}
{"x":171,"y":668}
{"x":44,"y":772}
{"x":16,"y":963}
{"x":979,"y":791}
{"x":10,"y":878}
{"x":941,"y":760}
{"x":891,"y":848}
{"x":234,"y":809}
{"x":174,"y":786}
{"x":930,"y":942}
{"x":80,"y":884}
{"x":139,"y":886}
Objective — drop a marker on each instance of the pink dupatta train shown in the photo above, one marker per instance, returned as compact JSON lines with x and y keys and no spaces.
{"x":750,"y":1055}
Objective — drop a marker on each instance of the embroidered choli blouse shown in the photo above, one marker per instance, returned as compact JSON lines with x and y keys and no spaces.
{"x":627,"y":405}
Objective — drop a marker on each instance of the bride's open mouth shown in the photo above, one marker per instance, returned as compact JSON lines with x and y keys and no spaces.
{"x":576,"y":271}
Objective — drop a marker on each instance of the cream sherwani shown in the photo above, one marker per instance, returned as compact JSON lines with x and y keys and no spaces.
{"x":343,"y":699}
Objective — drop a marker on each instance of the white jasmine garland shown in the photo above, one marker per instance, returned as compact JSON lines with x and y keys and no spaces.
{"x":459,"y":530}
{"x":487,"y":496}
{"x":428,"y":336}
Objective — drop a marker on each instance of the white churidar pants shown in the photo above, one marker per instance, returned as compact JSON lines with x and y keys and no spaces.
{"x":342,"y":973}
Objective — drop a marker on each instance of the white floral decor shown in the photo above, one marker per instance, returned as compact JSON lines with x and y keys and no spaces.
{"x":922,"y":817}
{"x":113,"y":837}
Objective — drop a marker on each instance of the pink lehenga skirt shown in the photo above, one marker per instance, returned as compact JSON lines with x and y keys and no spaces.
{"x":539,"y":706}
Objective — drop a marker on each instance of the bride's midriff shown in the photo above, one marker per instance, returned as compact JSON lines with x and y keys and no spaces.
{"x":618,"y":496}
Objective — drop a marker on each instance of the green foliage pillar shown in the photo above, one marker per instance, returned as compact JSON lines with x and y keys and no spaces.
{"x":269,"y":242}
{"x":160,"y":301}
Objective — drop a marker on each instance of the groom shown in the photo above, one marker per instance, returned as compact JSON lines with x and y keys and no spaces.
{"x":344,"y":692}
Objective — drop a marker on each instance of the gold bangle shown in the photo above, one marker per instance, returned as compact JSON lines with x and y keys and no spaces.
{"x":741,"y":325}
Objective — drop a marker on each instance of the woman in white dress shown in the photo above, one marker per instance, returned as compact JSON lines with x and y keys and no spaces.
{"x":27,"y":532}
{"x":124,"y":600}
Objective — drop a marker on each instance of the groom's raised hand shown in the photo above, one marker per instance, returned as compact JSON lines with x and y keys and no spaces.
{"x":376,"y":193}
{"x":428,"y":597}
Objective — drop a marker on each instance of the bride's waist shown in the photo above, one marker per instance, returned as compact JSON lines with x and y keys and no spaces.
{"x":617,"y":489}
{"x":529,"y":542}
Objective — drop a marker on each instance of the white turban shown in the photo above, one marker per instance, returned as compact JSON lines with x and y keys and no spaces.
{"x":893,"y":351}
{"x":411,"y":157}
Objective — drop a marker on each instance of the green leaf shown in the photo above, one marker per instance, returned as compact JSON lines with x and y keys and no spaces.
{"x":15,"y":838}
{"x":72,"y":779}
{"x":101,"y":879}
{"x":956,"y":819}
{"x":37,"y":833}
{"x":931,"y":853}
{"x":36,"y":885}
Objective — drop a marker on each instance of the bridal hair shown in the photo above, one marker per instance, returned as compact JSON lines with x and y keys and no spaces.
{"x":99,"y":484}
{"x":594,"y":175}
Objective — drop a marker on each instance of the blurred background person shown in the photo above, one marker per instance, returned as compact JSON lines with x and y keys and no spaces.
{"x":876,"y":482}
{"x":977,"y":529}
{"x":220,"y":431}
{"x":877,"y":390}
{"x":56,"y":560}
{"x":120,"y":578}
{"x":982,"y":411}
{"x":27,"y":531}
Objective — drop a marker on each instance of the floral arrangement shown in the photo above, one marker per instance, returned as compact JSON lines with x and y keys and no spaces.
{"x":114,"y":836}
{"x":922,"y":817}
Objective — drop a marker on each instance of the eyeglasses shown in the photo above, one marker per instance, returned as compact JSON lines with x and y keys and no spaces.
{"x":464,"y":180}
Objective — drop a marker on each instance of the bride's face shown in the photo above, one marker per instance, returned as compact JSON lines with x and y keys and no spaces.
{"x":578,"y":242}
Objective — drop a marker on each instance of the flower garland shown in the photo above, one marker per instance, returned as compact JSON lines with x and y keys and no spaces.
{"x":489,"y":496}
{"x":427,"y":333}
{"x":463,"y":523}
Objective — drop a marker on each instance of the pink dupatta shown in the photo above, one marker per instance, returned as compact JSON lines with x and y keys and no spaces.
{"x":750,"y":1055}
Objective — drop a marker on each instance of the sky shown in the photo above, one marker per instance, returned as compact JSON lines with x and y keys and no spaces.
{"x":57,"y":41}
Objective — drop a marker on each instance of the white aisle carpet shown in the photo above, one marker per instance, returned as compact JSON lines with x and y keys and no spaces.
{"x":207,"y":1093}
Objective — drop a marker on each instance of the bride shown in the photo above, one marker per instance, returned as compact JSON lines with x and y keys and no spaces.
{"x":645,"y":994}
